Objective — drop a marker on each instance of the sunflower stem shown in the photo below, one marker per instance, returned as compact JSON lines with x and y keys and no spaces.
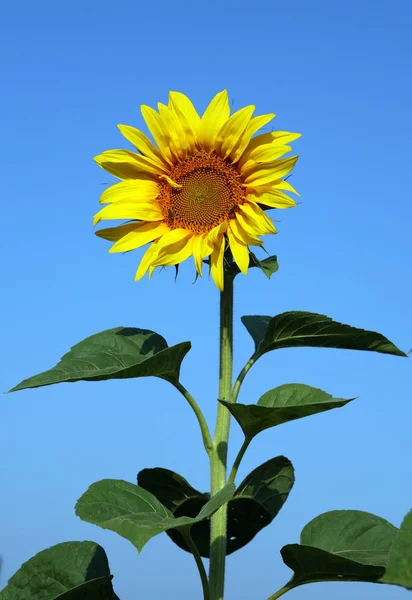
{"x":218,"y":457}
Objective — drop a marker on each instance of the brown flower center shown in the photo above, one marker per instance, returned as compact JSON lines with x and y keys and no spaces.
{"x":210,"y":193}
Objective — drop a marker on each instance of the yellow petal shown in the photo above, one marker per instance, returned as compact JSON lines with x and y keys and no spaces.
{"x":143,"y":144}
{"x":212,"y":120}
{"x":276,"y":138}
{"x":249,"y":239}
{"x":174,"y":247}
{"x":127,"y":165}
{"x":281,"y":184}
{"x":185,"y":106}
{"x":257,"y":215}
{"x":142,"y":234}
{"x":144,"y":211}
{"x":232,"y":130}
{"x":273,"y":198}
{"x":267,"y":154}
{"x":216,"y":263}
{"x":143,"y":189}
{"x":174,"y":132}
{"x":255,"y":124}
{"x":269,"y":172}
{"x":173,"y":184}
{"x":113,"y":234}
{"x":188,"y":118}
{"x":214,"y":234}
{"x":146,"y":261}
{"x":160,"y":136}
{"x":240,"y":252}
{"x":201,"y":248}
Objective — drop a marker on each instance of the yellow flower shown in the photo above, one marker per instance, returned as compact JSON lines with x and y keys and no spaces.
{"x":201,"y":189}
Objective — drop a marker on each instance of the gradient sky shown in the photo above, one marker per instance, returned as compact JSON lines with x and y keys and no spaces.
{"x":340,"y":73}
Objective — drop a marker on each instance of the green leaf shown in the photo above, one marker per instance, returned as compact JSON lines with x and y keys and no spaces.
{"x":136,"y":514}
{"x":170,"y":488}
{"x":341,"y":545}
{"x":280,"y":405}
{"x":255,"y":504}
{"x":268,"y":265}
{"x":300,"y":328}
{"x":118,"y":353}
{"x":399,"y":567}
{"x":175,"y":492}
{"x":69,"y":571}
{"x":258,"y":500}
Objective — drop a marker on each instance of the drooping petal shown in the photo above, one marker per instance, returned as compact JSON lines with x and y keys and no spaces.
{"x":142,"y":234}
{"x":268,"y":172}
{"x":156,"y":128}
{"x":216,"y":262}
{"x":250,"y":239}
{"x":132,"y":189}
{"x":239,"y":251}
{"x":254,"y":125}
{"x":272,"y":198}
{"x":173,"y":248}
{"x":143,"y":145}
{"x":258,"y":216}
{"x":201,"y":248}
{"x":146,"y":262}
{"x":214,"y":234}
{"x":212,"y":120}
{"x":144,"y":211}
{"x":127,"y":165}
{"x":232,"y":130}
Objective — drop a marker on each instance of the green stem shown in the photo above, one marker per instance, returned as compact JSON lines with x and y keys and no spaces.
{"x":207,"y":440}
{"x":238,"y":460}
{"x":218,"y":457}
{"x":201,"y":568}
{"x":242,"y":375}
{"x":282,"y":591}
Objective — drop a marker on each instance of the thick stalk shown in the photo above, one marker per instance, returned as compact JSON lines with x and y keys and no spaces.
{"x":218,"y":457}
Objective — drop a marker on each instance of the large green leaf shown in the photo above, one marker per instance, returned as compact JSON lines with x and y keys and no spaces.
{"x":117,"y":353}
{"x":399,"y":567}
{"x":135,"y":513}
{"x":300,"y":328}
{"x":255,"y":504}
{"x":69,"y":571}
{"x":341,"y":545}
{"x":280,"y":405}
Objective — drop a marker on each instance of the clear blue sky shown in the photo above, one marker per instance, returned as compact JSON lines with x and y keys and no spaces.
{"x":340,"y":73}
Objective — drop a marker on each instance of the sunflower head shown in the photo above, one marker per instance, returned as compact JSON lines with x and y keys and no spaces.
{"x":199,"y":189}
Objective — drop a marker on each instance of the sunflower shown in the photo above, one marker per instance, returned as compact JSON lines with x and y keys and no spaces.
{"x":200,"y":190}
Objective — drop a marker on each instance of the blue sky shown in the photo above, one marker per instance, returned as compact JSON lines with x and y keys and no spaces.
{"x":339,"y":72}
